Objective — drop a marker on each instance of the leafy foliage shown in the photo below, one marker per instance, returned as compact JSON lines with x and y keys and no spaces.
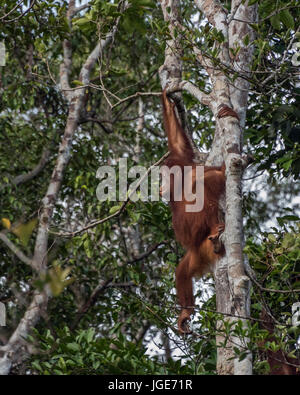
{"x":114,"y":313}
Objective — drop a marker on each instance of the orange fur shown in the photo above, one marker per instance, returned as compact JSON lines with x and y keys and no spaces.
{"x":198,"y":232}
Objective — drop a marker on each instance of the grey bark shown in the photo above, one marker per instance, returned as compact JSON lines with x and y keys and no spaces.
{"x":232,"y":284}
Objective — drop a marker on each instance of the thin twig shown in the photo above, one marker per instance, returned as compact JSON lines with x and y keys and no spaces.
{"x":147,"y":253}
{"x":117,"y":213}
{"x":16,"y":250}
{"x":280,"y":291}
{"x":12,"y":10}
{"x":20,"y":16}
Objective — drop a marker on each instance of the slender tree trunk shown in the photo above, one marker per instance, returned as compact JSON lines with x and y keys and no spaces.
{"x":232,"y":284}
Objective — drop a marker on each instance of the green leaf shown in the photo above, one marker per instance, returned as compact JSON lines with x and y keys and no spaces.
{"x":58,"y":279}
{"x":291,"y":218}
{"x":288,"y":240}
{"x":77,"y":82}
{"x":90,"y":335}
{"x":87,"y":248}
{"x":255,"y":26}
{"x":73,"y":346}
{"x":24,"y":231}
{"x":287,"y":19}
{"x":275,"y":22}
{"x":81,"y":21}
{"x":246,"y":40}
{"x":271,"y":237}
{"x":287,"y":164}
{"x":114,"y":209}
{"x":36,"y":365}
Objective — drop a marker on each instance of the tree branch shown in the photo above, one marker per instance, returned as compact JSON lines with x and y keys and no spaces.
{"x":79,"y":8}
{"x":20,"y":16}
{"x":117,"y":213}
{"x":203,"y":98}
{"x":170,"y":73}
{"x":280,"y":291}
{"x":16,"y":250}
{"x":92,"y":300}
{"x":148,"y":252}
{"x":21,"y":179}
{"x":65,"y":67}
{"x":97,"y":121}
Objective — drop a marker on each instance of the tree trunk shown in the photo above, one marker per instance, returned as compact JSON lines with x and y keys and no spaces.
{"x":228,"y":104}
